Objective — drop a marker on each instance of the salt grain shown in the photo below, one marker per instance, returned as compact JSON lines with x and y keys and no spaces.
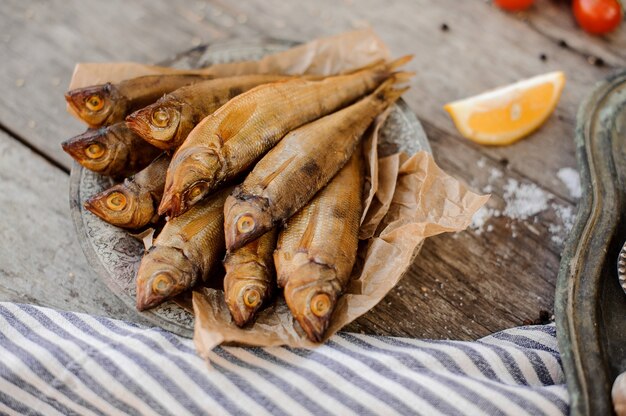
{"x":571,"y":179}
{"x":523,"y":200}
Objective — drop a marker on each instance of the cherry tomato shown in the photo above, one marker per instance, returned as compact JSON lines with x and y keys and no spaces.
{"x":598,"y":16}
{"x":514,"y":5}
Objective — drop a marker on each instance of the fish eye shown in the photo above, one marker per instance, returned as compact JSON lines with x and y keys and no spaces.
{"x":160,"y":117}
{"x":116,"y":201}
{"x":162,"y":284}
{"x":94,"y":151}
{"x":245,"y":223}
{"x":196,"y":192}
{"x":251,"y":297}
{"x":94,"y":102}
{"x":320,"y":304}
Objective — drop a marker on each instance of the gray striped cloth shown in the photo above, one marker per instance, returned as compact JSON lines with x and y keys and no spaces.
{"x":64,"y":363}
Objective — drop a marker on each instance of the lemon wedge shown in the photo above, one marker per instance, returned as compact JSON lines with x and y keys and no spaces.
{"x":507,"y":114}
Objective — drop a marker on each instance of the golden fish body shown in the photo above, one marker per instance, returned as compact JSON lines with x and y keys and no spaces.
{"x":166,"y":123}
{"x":187,"y":249}
{"x":112,"y":151}
{"x":317,"y":249}
{"x":302,"y":163}
{"x":230,"y":140}
{"x":133,"y":203}
{"x":250,"y":277}
{"x":106,"y":104}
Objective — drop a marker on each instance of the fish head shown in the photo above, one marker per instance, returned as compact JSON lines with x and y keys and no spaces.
{"x":123,"y":205}
{"x":96,"y":149}
{"x":157,"y":123}
{"x":246,"y":288}
{"x":164,"y":273}
{"x":97,"y":104}
{"x":311,"y":294}
{"x":245,"y":219}
{"x":191,"y":176}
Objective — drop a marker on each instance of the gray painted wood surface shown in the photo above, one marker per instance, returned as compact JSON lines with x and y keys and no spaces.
{"x":461,"y":286}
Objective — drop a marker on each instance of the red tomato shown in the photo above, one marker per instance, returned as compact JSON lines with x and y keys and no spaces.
{"x":514,"y":5}
{"x":598,"y":16}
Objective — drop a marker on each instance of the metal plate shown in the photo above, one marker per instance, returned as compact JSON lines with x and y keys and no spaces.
{"x":115,"y":255}
{"x":590,"y":305}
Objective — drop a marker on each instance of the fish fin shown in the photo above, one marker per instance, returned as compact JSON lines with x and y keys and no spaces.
{"x":236,"y":119}
{"x":386,"y":91}
{"x":195,"y":226}
{"x":277,"y":172}
{"x":386,"y":70}
{"x":393,"y":65}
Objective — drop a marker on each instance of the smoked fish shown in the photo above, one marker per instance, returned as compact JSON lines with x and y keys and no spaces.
{"x":105,"y":104}
{"x":133,"y":203}
{"x":230,"y":140}
{"x":188,"y":248}
{"x":301,"y":164}
{"x":317,"y":249}
{"x":112,"y":151}
{"x":166,"y":123}
{"x":250,"y":279}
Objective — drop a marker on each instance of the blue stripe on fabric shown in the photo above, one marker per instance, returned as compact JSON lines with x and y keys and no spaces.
{"x":151,"y":369}
{"x":241,"y":383}
{"x":346,"y":372}
{"x":415,"y":365}
{"x":19,"y":407}
{"x":10,"y":376}
{"x":288,"y":389}
{"x":445,"y":358}
{"x":199,"y":378}
{"x":314,"y":379}
{"x":512,"y":396}
{"x":35,"y":365}
{"x":105,"y":363}
{"x":524,"y":342}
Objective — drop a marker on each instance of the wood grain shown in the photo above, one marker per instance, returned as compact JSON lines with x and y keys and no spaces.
{"x":461,"y":286}
{"x":40,"y":259}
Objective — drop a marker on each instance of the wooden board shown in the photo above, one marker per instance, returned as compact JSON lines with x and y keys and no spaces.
{"x":458,"y":281}
{"x":41,"y":261}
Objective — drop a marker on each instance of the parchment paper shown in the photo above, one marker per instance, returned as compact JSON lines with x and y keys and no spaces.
{"x":407,"y":199}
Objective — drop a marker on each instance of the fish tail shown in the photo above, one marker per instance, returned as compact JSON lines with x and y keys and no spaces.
{"x":387,"y":69}
{"x":387,"y":91}
{"x":393,"y":65}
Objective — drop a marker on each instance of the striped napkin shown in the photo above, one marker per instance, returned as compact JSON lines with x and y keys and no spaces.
{"x":64,"y":363}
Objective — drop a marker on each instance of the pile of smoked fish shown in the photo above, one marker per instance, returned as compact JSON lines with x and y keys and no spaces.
{"x":261,"y":172}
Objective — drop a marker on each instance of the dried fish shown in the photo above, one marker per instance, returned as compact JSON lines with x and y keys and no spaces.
{"x":230,"y":140}
{"x":166,"y":123}
{"x":132,"y":203}
{"x":302,"y":163}
{"x":106,"y":104}
{"x":317,"y":249}
{"x":250,"y":277}
{"x":112,"y":151}
{"x":188,"y":248}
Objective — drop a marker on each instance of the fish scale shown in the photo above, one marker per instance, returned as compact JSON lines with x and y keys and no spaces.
{"x":188,"y":248}
{"x":188,"y":105}
{"x":317,"y":248}
{"x":250,"y":124}
{"x":275,"y":189}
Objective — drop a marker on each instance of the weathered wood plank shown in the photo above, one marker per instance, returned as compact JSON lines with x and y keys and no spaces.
{"x":40,"y":259}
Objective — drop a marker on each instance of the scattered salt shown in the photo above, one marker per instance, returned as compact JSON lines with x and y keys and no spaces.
{"x":571,"y":179}
{"x":481,"y":162}
{"x":523,"y":200}
{"x":494,"y":174}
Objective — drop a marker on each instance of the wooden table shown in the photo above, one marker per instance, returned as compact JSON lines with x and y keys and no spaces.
{"x":461,"y":286}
